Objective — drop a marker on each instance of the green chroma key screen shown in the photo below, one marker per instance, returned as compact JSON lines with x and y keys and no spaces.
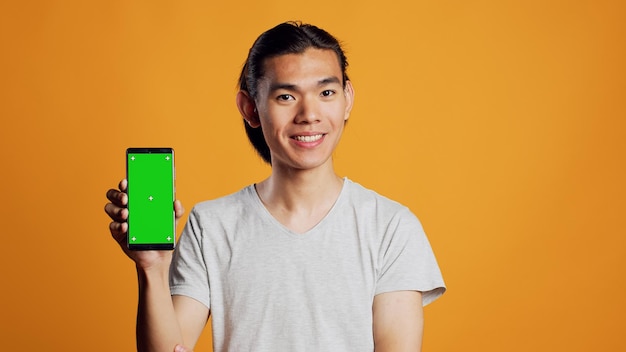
{"x":150,"y":174}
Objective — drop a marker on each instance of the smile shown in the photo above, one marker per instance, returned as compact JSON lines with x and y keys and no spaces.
{"x":308,"y":139}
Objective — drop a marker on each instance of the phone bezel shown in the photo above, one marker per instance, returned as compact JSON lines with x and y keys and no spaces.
{"x":151,"y":246}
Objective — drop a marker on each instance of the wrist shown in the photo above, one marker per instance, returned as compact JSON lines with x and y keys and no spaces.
{"x":155,"y":271}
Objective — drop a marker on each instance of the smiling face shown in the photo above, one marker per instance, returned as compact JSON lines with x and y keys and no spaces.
{"x":302,"y":107}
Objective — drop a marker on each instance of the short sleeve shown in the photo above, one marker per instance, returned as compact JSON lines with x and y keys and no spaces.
{"x":407,"y":261}
{"x":188,"y":272}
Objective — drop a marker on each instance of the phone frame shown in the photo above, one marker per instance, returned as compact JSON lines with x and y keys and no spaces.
{"x":150,"y":246}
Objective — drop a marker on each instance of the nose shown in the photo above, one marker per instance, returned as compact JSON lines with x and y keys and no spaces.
{"x":308,"y":111}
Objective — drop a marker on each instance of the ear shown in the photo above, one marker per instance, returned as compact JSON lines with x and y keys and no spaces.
{"x":348,"y":91}
{"x":247,"y":109}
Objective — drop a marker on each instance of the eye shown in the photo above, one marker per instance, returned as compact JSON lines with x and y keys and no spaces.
{"x":285,"y":97}
{"x":327,"y":93}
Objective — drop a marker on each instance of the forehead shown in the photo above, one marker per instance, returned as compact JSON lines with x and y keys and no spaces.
{"x":310,"y":66}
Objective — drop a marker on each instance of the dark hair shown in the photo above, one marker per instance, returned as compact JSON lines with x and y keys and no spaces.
{"x":285,"y":38}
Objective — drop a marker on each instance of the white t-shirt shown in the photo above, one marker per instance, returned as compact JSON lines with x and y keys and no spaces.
{"x":270,"y":289}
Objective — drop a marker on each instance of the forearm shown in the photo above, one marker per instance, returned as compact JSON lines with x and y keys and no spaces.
{"x":157,"y":326}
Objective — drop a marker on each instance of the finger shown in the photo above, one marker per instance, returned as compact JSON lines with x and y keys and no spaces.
{"x":118,"y":231}
{"x":116,"y":213}
{"x":179,"y":210}
{"x":117,"y":197}
{"x":123,"y":185}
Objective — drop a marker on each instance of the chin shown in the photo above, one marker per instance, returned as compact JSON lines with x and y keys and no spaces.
{"x":299,"y":164}
{"x":313,"y":164}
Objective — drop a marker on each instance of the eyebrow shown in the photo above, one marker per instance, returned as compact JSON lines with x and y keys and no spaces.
{"x":292,"y":87}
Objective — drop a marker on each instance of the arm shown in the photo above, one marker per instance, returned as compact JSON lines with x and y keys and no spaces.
{"x":162,"y":321}
{"x":158,"y":328}
{"x":192,"y":316}
{"x":398,"y":321}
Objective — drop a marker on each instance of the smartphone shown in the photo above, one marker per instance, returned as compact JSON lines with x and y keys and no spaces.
{"x":151,"y":193}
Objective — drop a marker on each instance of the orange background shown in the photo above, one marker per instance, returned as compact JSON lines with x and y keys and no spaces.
{"x":501,"y":124}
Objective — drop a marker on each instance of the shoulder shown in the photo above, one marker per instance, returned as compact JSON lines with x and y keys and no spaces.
{"x":366,"y":199}
{"x":231,"y":206}
{"x":386,"y":216}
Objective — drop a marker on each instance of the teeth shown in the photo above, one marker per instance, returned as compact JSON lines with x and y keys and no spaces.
{"x":308,"y":138}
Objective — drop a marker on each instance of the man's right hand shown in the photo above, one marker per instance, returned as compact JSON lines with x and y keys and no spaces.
{"x":117,"y":210}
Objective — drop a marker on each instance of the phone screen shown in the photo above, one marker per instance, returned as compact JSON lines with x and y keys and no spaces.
{"x":151,"y":220}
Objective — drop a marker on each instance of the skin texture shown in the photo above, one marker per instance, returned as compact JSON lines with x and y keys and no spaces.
{"x":174,"y":320}
{"x":300,"y":95}
{"x":398,"y":321}
{"x":302,"y":106}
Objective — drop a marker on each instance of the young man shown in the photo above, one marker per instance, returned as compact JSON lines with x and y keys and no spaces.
{"x":303,"y":260}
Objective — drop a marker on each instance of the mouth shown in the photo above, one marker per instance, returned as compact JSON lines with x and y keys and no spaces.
{"x":308,"y":139}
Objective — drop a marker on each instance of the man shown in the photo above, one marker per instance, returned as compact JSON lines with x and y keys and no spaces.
{"x":303,"y":260}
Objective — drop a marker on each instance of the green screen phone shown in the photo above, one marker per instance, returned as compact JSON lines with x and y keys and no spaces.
{"x":151,"y":194}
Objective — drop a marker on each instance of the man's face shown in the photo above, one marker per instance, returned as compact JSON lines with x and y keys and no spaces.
{"x":302,"y":106}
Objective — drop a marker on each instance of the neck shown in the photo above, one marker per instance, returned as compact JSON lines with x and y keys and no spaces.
{"x":301,"y":190}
